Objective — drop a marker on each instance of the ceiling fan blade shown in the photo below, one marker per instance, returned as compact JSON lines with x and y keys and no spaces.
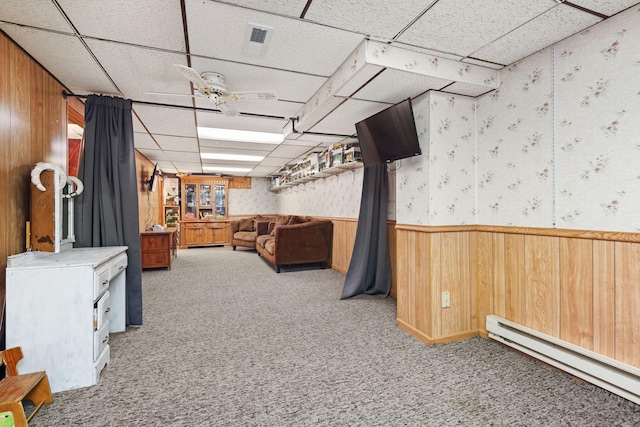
{"x":173,"y":94}
{"x":192,"y":75}
{"x":227,"y":109}
{"x":264,"y":95}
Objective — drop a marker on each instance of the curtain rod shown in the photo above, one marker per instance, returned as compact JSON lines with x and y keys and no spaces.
{"x":66,"y":94}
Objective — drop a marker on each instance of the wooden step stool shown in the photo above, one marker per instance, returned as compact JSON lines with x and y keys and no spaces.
{"x":15,"y":388}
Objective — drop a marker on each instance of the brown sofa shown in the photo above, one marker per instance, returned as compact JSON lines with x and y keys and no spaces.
{"x":245,"y":231}
{"x":296,"y":240}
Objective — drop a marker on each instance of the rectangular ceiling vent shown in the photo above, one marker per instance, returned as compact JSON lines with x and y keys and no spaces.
{"x":256,"y":40}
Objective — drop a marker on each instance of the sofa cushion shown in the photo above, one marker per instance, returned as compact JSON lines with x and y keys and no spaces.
{"x":269,"y":245}
{"x":281,"y":220}
{"x":262,"y":239}
{"x":246,"y":225}
{"x":294,"y":219}
{"x":247,"y":236}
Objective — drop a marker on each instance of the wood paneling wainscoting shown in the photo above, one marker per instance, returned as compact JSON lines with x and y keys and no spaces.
{"x":344,"y":236}
{"x":578,"y":286}
{"x":33,"y":128}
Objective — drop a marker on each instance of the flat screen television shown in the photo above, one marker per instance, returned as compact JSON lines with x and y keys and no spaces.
{"x":152,"y":182}
{"x":389,"y":135}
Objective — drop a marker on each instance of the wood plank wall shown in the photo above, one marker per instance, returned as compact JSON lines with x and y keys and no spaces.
{"x":579,"y":286}
{"x":344,"y":236}
{"x":33,"y":128}
{"x":150,"y":205}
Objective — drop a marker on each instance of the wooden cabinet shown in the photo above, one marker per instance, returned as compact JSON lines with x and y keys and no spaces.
{"x":157,"y":248}
{"x":203,"y":198}
{"x":61,"y":308}
{"x":204,"y":233}
{"x":204,"y":204}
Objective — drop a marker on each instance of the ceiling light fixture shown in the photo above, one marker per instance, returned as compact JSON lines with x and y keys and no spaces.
{"x":225,"y":169}
{"x":236,"y":157}
{"x":240,"y":135}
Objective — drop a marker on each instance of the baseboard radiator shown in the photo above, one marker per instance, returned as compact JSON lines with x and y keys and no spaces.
{"x":610,"y":374}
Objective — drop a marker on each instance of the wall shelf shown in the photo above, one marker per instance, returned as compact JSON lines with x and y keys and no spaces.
{"x":325,"y":173}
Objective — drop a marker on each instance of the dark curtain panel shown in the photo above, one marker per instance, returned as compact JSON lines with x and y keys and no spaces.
{"x":370,"y":268}
{"x":106,"y":213}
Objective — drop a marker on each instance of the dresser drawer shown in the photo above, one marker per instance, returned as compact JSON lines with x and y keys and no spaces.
{"x":100,"y":340}
{"x":100,"y":362}
{"x":101,"y":278}
{"x":118,"y":264}
{"x":103,"y":306}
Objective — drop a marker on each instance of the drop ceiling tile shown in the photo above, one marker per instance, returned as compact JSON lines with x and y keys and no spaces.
{"x":185,"y":167}
{"x":461,"y":27}
{"x":392,"y":86}
{"x":342,"y":120}
{"x":263,"y":171}
{"x":218,"y":31}
{"x":300,"y":143}
{"x":288,"y":85}
{"x":370,"y":18}
{"x":154,"y":155}
{"x":41,"y":14}
{"x":182,"y":156}
{"x":274,"y":162}
{"x":288,"y":151}
{"x":606,"y":7}
{"x":85,"y":76}
{"x":258,"y":124}
{"x":167,"y":121}
{"x":142,"y":22}
{"x":167,"y":167}
{"x":292,"y":8}
{"x":143,"y":140}
{"x":557,"y":24}
{"x":138,"y":71}
{"x":177,"y":143}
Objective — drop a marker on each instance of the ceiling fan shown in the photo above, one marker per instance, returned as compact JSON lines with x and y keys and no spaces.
{"x":212,"y":85}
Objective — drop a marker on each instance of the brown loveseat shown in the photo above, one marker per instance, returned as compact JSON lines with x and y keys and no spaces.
{"x":296,"y":240}
{"x":244,"y":231}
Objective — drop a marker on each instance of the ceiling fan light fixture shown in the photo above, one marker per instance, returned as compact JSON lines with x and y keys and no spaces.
{"x":231,"y":157}
{"x":240,"y":135}
{"x":225,"y":169}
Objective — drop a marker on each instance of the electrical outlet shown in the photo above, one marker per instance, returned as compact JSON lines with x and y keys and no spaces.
{"x":446,"y":299}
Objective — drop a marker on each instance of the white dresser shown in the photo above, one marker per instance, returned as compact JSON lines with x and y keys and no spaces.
{"x":60,"y":309}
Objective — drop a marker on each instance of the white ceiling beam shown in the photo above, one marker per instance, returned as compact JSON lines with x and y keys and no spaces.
{"x":366,"y":61}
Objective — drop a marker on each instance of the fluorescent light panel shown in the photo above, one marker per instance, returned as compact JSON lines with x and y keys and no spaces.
{"x":240,"y":135}
{"x":225,"y":169}
{"x":236,"y":157}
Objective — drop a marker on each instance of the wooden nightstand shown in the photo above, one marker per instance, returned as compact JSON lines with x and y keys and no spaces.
{"x":157,"y":248}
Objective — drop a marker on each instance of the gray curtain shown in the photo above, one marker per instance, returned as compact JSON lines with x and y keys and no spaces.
{"x":370,"y":268}
{"x":106,"y":213}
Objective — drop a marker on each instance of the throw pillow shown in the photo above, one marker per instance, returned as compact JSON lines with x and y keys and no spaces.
{"x":246,"y":225}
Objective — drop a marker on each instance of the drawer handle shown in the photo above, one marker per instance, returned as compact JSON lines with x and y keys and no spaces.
{"x":105,"y":339}
{"x":105,"y":282}
{"x":121,"y":267}
{"x":107,"y":310}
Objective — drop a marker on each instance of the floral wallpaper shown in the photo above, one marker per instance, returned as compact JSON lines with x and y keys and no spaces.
{"x":515,"y":146}
{"x":438,"y":187}
{"x":557,"y":145}
{"x":256,"y":200}
{"x":337,"y":196}
{"x":598,"y":126}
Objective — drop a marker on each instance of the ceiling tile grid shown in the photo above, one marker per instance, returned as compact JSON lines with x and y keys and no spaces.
{"x":327,"y":73}
{"x":141,"y":22}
